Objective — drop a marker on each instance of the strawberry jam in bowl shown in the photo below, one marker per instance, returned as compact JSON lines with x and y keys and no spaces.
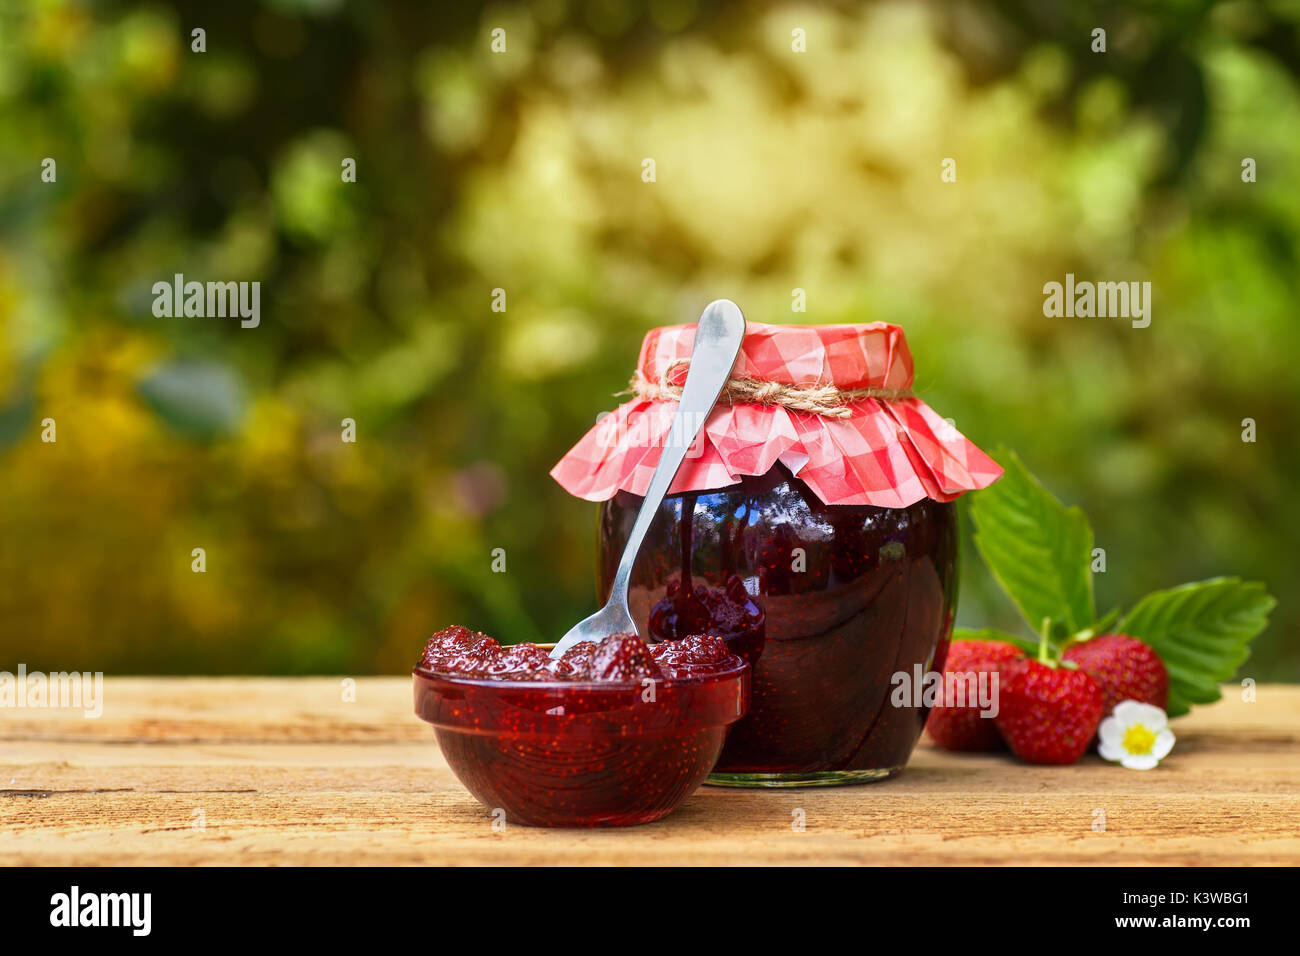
{"x":610,"y":734}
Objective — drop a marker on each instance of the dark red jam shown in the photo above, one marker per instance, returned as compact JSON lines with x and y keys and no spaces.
{"x":826,"y":602}
{"x":460,"y":652}
{"x":611,"y":734}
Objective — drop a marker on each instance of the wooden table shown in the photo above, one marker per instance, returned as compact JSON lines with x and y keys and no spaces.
{"x":285,"y":771}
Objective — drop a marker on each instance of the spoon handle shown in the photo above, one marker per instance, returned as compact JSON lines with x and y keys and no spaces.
{"x":717,"y":343}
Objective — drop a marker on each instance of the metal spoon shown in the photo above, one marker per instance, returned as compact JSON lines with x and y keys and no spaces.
{"x":717,"y":343}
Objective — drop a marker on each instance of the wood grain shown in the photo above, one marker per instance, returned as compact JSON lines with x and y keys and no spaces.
{"x":283,"y":771}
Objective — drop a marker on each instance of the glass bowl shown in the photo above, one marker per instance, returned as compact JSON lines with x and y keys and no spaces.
{"x":582,"y":754}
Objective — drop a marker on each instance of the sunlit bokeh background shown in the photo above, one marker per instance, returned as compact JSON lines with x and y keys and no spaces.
{"x":775,"y":170}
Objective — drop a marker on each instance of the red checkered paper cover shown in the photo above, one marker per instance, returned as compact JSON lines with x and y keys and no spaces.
{"x":886,"y":453}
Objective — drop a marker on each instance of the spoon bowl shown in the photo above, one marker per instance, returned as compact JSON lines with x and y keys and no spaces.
{"x":718,"y":335}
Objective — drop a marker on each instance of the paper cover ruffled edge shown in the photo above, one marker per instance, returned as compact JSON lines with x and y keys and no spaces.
{"x":888,"y":454}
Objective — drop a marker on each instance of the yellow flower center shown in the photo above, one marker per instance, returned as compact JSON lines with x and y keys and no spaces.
{"x":1138,"y":740}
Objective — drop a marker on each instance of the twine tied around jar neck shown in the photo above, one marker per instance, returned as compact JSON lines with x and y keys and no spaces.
{"x":828,"y":401}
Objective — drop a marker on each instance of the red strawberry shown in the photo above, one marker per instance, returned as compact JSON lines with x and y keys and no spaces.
{"x":692,"y":656}
{"x":1047,"y":714}
{"x":623,"y":657}
{"x":523,"y":661}
{"x":957,"y":726}
{"x":574,"y":663}
{"x":458,"y":650}
{"x":1124,"y":668}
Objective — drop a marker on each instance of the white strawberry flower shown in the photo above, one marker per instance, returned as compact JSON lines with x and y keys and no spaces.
{"x":1136,"y":734}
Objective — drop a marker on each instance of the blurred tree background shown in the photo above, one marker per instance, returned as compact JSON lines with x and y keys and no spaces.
{"x":521,"y":170}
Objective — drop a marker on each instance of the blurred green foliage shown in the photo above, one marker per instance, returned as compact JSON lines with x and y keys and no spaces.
{"x":521,"y":170}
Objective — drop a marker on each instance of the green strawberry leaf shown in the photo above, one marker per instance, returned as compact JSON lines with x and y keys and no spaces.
{"x":1039,"y":551}
{"x":1202,"y":632}
{"x":992,"y":634}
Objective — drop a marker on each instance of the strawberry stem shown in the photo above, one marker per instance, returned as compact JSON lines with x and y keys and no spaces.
{"x":1042,"y":641}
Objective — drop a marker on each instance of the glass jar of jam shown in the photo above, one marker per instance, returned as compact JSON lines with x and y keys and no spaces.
{"x":812,"y":528}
